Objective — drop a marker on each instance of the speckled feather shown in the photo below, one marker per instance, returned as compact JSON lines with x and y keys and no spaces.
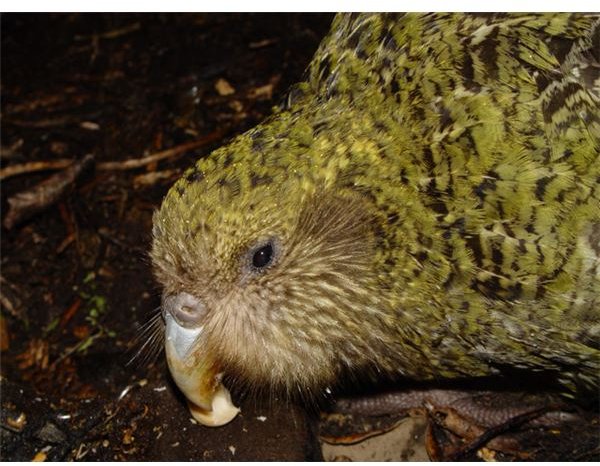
{"x":432,"y":192}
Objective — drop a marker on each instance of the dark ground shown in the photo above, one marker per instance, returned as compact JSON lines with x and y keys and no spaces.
{"x":76,"y":283}
{"x":76,"y":280}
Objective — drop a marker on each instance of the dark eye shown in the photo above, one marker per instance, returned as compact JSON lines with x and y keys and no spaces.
{"x":262,"y":256}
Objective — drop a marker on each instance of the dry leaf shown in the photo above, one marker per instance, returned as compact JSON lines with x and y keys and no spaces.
{"x":40,"y":456}
{"x":17,"y":423}
{"x":223,"y":87}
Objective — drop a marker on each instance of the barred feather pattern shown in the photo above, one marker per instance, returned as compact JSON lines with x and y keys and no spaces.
{"x":433,"y":186}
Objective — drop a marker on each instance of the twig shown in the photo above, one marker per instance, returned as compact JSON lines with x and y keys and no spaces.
{"x":165,"y":154}
{"x":70,"y":312}
{"x":12,"y":151}
{"x":130,"y":164}
{"x":496,"y":431}
{"x":29,"y":167}
{"x":4,"y":301}
{"x":73,"y":349}
{"x":12,"y":303}
{"x":27,"y":203}
{"x":113,"y":34}
{"x":70,"y":238}
{"x":50,"y":122}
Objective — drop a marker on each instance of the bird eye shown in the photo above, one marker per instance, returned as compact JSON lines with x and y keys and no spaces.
{"x":263,"y":256}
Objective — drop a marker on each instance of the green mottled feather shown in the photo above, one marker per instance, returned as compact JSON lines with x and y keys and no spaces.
{"x":434,"y":185}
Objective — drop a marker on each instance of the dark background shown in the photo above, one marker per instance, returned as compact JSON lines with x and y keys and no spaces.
{"x":76,"y":279}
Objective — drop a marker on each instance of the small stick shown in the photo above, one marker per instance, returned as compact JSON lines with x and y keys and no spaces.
{"x":27,"y":203}
{"x":495,"y":431}
{"x":112,"y":34}
{"x":130,"y":164}
{"x":13,"y":170}
{"x":165,"y":154}
{"x":70,"y":312}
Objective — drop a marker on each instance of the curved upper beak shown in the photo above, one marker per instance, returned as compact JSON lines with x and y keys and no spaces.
{"x":194,"y":371}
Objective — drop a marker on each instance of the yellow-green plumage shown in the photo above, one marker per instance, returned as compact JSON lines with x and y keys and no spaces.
{"x":432,"y":195}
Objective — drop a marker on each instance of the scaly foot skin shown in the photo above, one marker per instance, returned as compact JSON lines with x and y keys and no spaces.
{"x":485,"y":408}
{"x":469,"y":419}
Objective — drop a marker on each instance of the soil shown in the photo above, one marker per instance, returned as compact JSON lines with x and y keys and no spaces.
{"x":77,"y":286}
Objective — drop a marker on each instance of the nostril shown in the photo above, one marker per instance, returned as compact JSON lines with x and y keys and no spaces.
{"x":185,"y":308}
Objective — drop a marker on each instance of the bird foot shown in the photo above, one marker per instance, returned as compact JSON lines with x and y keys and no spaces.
{"x":470,"y":424}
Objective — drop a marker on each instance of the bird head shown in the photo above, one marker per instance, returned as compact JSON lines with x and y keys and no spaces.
{"x":275,"y":265}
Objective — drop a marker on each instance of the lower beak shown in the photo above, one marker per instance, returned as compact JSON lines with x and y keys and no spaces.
{"x":197,"y":375}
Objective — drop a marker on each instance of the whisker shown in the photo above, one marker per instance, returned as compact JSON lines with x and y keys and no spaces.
{"x":149,"y":327}
{"x":148,"y":344}
{"x":151,"y":347}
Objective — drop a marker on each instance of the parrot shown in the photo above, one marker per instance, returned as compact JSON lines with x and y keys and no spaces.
{"x":424,"y":205}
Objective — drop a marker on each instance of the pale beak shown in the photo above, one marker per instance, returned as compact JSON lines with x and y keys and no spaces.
{"x":196,"y":374}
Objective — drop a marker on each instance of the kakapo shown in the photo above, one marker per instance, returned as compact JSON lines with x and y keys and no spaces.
{"x":425,"y":204}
